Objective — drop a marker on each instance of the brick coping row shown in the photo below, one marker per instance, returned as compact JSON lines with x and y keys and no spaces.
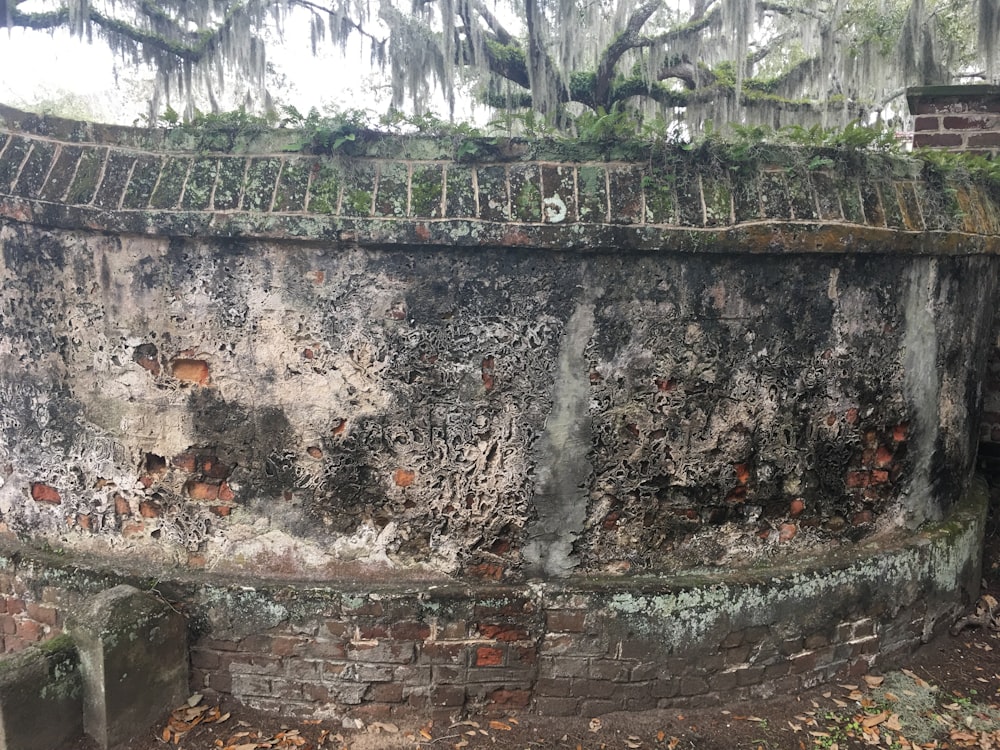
{"x":535,"y":203}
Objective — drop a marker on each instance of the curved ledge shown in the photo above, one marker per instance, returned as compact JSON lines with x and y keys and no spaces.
{"x":582,"y":645}
{"x":78,"y":175}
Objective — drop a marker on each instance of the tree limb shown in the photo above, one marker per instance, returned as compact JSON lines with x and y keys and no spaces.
{"x":625,"y":41}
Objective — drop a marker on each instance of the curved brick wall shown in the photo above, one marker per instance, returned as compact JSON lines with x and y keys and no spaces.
{"x":548,"y":364}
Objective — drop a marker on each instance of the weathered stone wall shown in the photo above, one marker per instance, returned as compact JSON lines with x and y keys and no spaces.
{"x":462,"y":399}
{"x":285,"y":364}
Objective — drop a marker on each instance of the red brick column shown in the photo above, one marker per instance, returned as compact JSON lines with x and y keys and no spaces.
{"x":956,"y":118}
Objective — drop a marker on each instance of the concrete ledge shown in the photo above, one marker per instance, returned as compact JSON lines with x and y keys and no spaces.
{"x":40,"y":697}
{"x":583,"y":645}
{"x":133,"y":650}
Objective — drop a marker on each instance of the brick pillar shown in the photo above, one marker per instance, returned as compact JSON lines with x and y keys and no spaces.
{"x":956,"y":118}
{"x":967,"y":118}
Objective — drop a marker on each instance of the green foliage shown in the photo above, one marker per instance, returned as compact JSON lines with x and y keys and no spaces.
{"x":221,"y":131}
{"x":601,"y":125}
{"x":939,"y":165}
{"x":342,"y":133}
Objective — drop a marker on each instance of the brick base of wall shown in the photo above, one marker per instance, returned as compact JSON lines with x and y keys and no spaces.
{"x":570,"y":647}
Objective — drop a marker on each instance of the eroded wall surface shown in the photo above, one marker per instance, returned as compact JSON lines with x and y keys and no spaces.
{"x":325,"y":367}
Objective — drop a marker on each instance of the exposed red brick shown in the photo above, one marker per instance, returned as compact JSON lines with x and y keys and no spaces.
{"x":30,"y":631}
{"x":503,"y":633}
{"x":410,"y":631}
{"x":122,"y":508}
{"x":858,"y":479}
{"x":8,"y":625}
{"x":969,"y":122}
{"x":197,"y":560}
{"x":981,"y":140}
{"x":373,"y":632}
{"x":185,"y":461}
{"x":147,"y":480}
{"x":404,"y":477}
{"x":149,"y":509}
{"x":737,"y":495}
{"x":610,"y":521}
{"x":880,"y":476}
{"x":864,"y":516}
{"x":489,"y":571}
{"x":742,"y":473}
{"x":226,"y":493}
{"x":202,"y":490}
{"x":943,"y":140}
{"x":84,"y":521}
{"x":133,"y":529}
{"x":883,"y":457}
{"x":565,"y":621}
{"x":40,"y":613}
{"x":851,"y":416}
{"x":513,"y":698}
{"x":796,"y":507}
{"x":43,"y":493}
{"x":487,"y":656}
{"x":212,"y":467}
{"x":787,"y":532}
{"x":339,"y":428}
{"x":15,"y":606}
{"x":900,"y":431}
{"x":221,"y":510}
{"x":314,"y":451}
{"x":190,"y":370}
{"x":927,"y":122}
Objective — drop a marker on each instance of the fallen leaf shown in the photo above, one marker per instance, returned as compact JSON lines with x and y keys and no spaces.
{"x":839,"y":703}
{"x":494,"y":724}
{"x":660,"y":736}
{"x":848,"y":687}
{"x":512,"y":720}
{"x":872,"y":681}
{"x":893,"y":723}
{"x":874,"y":721}
{"x":795,"y":727}
{"x":632,"y":744}
{"x":674,"y":742}
{"x":425,"y":734}
{"x":595,"y":725}
{"x":920,"y":681}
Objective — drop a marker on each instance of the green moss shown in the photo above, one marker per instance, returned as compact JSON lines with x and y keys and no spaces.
{"x":425,"y":192}
{"x":358,"y":202}
{"x":87,"y":173}
{"x":324,"y":193}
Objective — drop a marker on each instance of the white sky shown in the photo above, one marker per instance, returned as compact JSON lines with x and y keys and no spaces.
{"x":62,"y":74}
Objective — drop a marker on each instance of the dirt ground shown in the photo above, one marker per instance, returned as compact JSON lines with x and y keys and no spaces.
{"x":948,"y":696}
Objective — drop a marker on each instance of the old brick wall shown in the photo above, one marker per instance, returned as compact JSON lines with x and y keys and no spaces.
{"x":454,"y":395}
{"x":284,"y":363}
{"x":575,"y":647}
{"x":966,"y":119}
{"x":956,"y":118}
